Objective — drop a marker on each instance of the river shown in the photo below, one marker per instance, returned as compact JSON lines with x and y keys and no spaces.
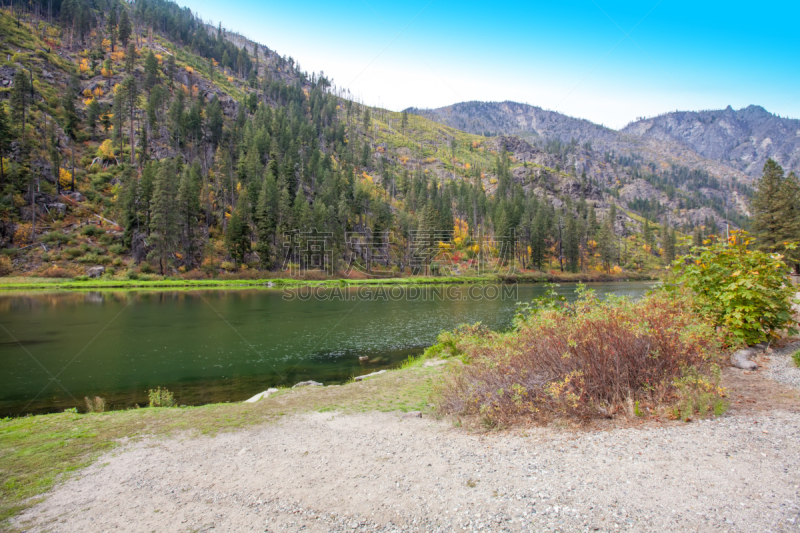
{"x":226,"y":345}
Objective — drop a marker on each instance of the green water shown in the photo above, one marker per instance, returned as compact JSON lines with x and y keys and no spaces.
{"x":225,"y":345}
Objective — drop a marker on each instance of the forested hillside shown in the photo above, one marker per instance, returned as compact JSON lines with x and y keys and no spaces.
{"x":139,"y":141}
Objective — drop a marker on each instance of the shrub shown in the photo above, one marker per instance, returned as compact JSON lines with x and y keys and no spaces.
{"x":72,"y":253}
{"x":5,"y":266}
{"x":796,"y":358}
{"x":161,"y":398}
{"x":744,"y":290}
{"x":117,"y":249}
{"x":195,"y":274}
{"x":56,"y":237}
{"x":92,"y":231}
{"x":55,"y":272}
{"x":585,"y":359}
{"x":22,"y":234}
{"x":97,"y":405}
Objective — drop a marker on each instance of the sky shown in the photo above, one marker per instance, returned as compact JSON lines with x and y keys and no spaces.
{"x":609,"y":62}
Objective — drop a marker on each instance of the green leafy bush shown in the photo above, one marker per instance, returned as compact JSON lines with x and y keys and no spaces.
{"x":747,"y":291}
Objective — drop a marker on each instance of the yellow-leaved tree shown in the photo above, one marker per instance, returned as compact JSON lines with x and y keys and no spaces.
{"x":106,"y":150}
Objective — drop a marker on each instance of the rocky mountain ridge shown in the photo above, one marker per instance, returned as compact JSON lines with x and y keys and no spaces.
{"x":742,"y":139}
{"x":728,"y":144}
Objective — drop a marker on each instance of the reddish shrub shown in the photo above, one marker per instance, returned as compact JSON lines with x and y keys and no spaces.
{"x":56,"y":272}
{"x":587,"y":359}
{"x":195,"y":274}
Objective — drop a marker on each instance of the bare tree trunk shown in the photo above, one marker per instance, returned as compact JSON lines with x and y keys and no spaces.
{"x":73,"y":167}
{"x":33,"y":212}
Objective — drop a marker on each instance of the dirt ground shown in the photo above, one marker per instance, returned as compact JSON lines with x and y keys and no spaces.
{"x":389,"y":472}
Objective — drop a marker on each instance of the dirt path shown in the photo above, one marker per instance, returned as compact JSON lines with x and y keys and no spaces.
{"x":330,"y":472}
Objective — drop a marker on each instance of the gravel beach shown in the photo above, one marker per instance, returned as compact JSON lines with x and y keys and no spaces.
{"x":390,"y":472}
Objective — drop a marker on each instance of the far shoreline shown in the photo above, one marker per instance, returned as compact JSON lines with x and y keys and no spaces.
{"x":172,"y":283}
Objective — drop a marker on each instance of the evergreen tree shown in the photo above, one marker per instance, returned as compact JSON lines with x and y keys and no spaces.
{"x":124,"y":28}
{"x":572,"y":244}
{"x":189,"y":207}
{"x":112,"y":25}
{"x":605,"y":245}
{"x":5,"y":141}
{"x":130,"y":94}
{"x":776,"y":211}
{"x":647,"y":234}
{"x":171,"y":68}
{"x":150,"y":71}
{"x":668,"y":243}
{"x":697,"y":238}
{"x":20,"y":98}
{"x":265,"y":221}
{"x":238,"y":236}
{"x":93,"y":115}
{"x":130,"y":57}
{"x":130,"y":208}
{"x":164,"y":223}
{"x":538,"y":236}
{"x":69,"y":112}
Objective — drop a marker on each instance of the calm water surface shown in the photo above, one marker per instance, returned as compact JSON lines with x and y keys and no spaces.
{"x":223,"y":345}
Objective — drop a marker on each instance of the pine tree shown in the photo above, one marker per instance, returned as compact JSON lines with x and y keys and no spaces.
{"x":112,"y":24}
{"x":171,"y":68}
{"x":265,"y":222}
{"x":668,"y":244}
{"x":697,"y":238}
{"x":164,"y":223}
{"x":69,"y":112}
{"x":92,"y":115}
{"x":238,"y":236}
{"x":538,"y":236}
{"x":647,"y":234}
{"x":150,"y":71}
{"x":130,"y":94}
{"x":130,"y":57}
{"x":20,"y":98}
{"x":572,"y":245}
{"x":189,"y":207}
{"x":776,"y":211}
{"x":130,"y":208}
{"x":605,"y":244}
{"x":5,"y":141}
{"x":124,"y":28}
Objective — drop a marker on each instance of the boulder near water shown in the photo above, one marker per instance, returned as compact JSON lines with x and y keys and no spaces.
{"x":95,"y":271}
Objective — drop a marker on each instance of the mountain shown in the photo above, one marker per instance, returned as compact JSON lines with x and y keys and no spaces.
{"x":743,"y":139}
{"x":613,"y":159}
{"x":512,"y":118}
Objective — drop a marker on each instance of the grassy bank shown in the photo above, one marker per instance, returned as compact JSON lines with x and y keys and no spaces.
{"x":35,"y":451}
{"x":33,"y":283}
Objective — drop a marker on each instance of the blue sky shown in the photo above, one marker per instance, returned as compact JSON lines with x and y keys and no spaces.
{"x":609,"y":62}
